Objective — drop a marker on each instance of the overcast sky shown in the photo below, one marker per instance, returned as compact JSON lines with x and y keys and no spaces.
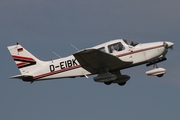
{"x":43,"y":26}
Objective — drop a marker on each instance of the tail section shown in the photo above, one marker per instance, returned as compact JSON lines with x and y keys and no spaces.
{"x":25,"y":61}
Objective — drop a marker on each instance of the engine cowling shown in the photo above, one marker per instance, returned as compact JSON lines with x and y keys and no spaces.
{"x":156,"y":72}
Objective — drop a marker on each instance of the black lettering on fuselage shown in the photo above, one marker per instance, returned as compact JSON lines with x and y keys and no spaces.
{"x":74,"y":62}
{"x":51,"y":67}
{"x":69,"y":63}
{"x":63,"y":65}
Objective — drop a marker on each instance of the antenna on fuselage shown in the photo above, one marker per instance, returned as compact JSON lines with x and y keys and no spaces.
{"x":74,"y":47}
{"x":56,"y":54}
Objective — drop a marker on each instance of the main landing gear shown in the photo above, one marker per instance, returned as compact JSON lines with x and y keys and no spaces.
{"x":115,"y":77}
{"x":120,"y":84}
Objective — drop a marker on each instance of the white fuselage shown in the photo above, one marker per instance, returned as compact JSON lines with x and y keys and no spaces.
{"x":69,"y":67}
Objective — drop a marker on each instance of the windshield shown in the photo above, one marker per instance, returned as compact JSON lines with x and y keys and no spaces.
{"x":129,"y":42}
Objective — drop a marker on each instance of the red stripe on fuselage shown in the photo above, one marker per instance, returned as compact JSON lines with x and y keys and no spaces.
{"x":136,"y":51}
{"x":56,"y":72}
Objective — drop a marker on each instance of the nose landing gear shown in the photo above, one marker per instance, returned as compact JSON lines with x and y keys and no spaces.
{"x":159,"y":72}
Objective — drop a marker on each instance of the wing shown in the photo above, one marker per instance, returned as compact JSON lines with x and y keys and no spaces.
{"x":95,"y":61}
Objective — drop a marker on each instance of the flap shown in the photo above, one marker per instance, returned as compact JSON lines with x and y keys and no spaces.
{"x":94,"y":60}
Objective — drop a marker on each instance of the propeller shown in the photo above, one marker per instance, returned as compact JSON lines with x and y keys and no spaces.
{"x":172,"y":47}
{"x":168,"y":45}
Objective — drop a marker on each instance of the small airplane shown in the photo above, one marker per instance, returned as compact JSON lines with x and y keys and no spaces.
{"x":106,"y":60}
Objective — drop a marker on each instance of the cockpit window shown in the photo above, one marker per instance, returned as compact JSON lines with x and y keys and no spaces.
{"x":131,"y":43}
{"x":116,"y":47}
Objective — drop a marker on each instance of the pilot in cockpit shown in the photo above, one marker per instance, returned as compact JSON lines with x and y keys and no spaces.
{"x":117,"y":47}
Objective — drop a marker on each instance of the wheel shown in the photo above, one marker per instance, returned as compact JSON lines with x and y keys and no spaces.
{"x":160,"y":75}
{"x":108,"y":83}
{"x":122,"y":83}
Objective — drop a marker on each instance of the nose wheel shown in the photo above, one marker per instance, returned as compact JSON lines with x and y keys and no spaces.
{"x":160,"y":75}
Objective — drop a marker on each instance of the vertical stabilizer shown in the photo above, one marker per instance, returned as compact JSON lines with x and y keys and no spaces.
{"x":25,"y":61}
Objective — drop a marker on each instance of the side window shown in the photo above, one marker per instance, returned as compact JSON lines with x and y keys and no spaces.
{"x":102,"y":49}
{"x":116,"y":47}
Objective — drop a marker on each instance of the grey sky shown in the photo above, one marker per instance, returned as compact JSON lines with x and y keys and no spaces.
{"x":43,"y":26}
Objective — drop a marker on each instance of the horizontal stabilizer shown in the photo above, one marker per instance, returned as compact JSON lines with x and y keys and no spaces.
{"x":23,"y":77}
